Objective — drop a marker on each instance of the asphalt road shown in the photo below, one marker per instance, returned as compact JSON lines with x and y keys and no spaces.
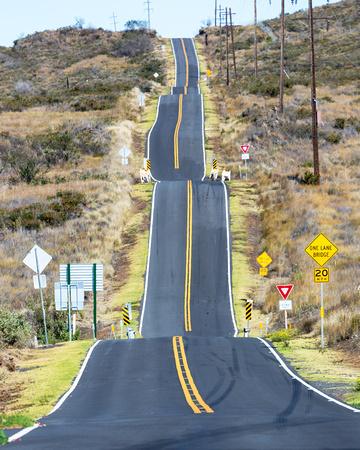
{"x":130,"y":398}
{"x":188,"y":384}
{"x":161,"y":141}
{"x":209,"y":297}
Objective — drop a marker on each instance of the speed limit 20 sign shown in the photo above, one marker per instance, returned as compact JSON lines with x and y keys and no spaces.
{"x":321,"y":275}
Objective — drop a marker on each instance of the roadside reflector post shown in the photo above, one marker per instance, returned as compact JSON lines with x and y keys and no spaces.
{"x":121,"y":328}
{"x":261,"y":328}
{"x":266,"y":325}
{"x":248,"y":311}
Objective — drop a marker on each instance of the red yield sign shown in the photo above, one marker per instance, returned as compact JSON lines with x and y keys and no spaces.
{"x":285,"y":290}
{"x":245,"y":148}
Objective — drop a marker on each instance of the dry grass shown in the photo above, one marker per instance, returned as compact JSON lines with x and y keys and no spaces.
{"x":292,"y":214}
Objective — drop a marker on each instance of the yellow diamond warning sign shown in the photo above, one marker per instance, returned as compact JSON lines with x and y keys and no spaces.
{"x":321,"y":249}
{"x":264,"y":259}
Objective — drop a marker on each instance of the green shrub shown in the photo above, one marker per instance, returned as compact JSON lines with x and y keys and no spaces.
{"x":339,"y":123}
{"x":14,"y":330}
{"x":65,"y":206}
{"x":281,"y":335}
{"x":310,"y":179}
{"x":333,"y":138}
{"x":3,"y":438}
{"x":357,"y":385}
{"x":57,"y":324}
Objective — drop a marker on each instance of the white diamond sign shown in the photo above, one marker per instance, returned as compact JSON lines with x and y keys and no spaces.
{"x":141,"y":98}
{"x":36,"y":259}
{"x":124,"y":152}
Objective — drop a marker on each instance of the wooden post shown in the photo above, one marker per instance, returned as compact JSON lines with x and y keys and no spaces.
{"x":221,"y":62}
{"x":255,"y":40}
{"x":232,"y":43}
{"x":227,"y":48}
{"x":313,"y":96}
{"x":281,"y":97}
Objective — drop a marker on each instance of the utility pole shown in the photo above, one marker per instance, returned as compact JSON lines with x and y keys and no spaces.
{"x":147,"y":3}
{"x":215,"y":10}
{"x":227,"y":49}
{"x":232,"y":43}
{"x":113,"y":17}
{"x":220,"y":20}
{"x":313,"y":96}
{"x":255,"y":40}
{"x":281,"y":99}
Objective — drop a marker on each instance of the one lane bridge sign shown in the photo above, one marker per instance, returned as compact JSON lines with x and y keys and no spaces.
{"x":264,"y":259}
{"x":321,"y":249}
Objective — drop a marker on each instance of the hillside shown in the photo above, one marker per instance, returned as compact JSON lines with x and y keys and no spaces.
{"x":293,"y":212}
{"x":68,"y":103}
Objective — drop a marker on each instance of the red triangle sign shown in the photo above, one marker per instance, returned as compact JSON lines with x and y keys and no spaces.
{"x":285,"y":290}
{"x":245,"y":148}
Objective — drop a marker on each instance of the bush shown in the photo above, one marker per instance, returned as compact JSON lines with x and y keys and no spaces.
{"x":56,"y":322}
{"x":310,"y":179}
{"x":14,"y":330}
{"x":65,"y":206}
{"x":281,"y":335}
{"x":133,"y":43}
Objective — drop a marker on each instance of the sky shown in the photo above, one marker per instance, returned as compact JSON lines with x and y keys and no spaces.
{"x":171,"y":18}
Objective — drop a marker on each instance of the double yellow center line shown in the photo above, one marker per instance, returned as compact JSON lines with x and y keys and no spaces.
{"x":187,"y":67}
{"x":188,"y":256}
{"x":187,"y":383}
{"x":177,"y":128}
{"x":176,"y":134}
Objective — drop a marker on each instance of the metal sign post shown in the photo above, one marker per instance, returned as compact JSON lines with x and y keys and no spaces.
{"x":90,"y":274}
{"x":69,"y":296}
{"x":141,"y":98}
{"x":37,"y":260}
{"x":264,"y":260}
{"x":322,"y":316}
{"x":41,"y":296}
{"x":284,"y":305}
{"x":124,"y":152}
{"x":321,"y":250}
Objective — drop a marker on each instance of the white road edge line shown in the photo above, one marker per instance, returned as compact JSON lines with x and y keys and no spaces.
{"x":27,"y":430}
{"x":203,"y":135}
{"x":309,"y":387}
{"x":172,"y":45}
{"x":236,"y":331}
{"x":149,"y":134}
{"x":198,"y":65}
{"x":148,"y":259}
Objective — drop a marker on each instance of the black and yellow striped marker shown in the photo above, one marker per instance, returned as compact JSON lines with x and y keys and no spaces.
{"x":248,"y":310}
{"x":214,"y":164}
{"x":189,"y":388}
{"x":126,"y":317}
{"x":148,"y":164}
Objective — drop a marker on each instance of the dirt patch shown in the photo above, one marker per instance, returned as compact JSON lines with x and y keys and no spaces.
{"x":7,"y":362}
